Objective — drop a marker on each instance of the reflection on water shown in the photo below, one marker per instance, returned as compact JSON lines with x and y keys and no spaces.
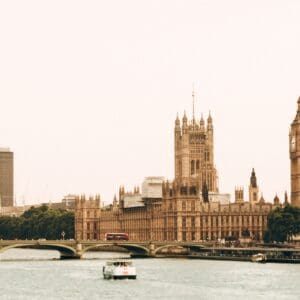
{"x":35,"y":274}
{"x":28,"y":254}
{"x":33,"y":254}
{"x":104,"y":255}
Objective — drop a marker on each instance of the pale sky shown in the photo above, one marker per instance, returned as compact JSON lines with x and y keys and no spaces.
{"x":89,"y":90}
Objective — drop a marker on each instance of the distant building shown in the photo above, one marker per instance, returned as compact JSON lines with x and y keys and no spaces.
{"x":6,"y":177}
{"x":14,"y":211}
{"x":218,"y":198}
{"x":152,"y":187}
{"x":68,"y":202}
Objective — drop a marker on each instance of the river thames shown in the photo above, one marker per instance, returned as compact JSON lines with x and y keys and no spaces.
{"x":36,"y":274}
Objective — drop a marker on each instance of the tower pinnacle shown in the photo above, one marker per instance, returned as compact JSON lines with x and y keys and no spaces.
{"x":184,"y":119}
{"x":253,"y":188}
{"x":177,"y":121}
{"x":202,"y":124}
{"x":193,"y":96}
{"x":253,"y":181}
{"x":209,"y":119}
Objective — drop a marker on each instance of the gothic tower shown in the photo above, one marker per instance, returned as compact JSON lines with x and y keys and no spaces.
{"x":253,"y":188}
{"x":239,"y":195}
{"x":194,"y":152}
{"x":295,"y":158}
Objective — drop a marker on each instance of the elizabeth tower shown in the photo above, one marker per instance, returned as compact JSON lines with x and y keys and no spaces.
{"x":295,"y":159}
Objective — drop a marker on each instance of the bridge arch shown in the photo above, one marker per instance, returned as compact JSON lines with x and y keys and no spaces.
{"x":65,"y":251}
{"x":130,"y":247}
{"x":187,"y":246}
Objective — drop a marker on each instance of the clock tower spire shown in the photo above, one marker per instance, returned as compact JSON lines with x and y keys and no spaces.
{"x":295,"y":158}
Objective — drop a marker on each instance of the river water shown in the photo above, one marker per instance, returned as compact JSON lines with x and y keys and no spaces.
{"x":36,"y":274}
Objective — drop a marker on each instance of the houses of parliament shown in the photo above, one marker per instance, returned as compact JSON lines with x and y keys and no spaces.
{"x":190,"y":207}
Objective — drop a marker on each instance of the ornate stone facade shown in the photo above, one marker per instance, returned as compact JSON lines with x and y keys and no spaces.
{"x":295,"y":158}
{"x":181,"y":212}
{"x":194,"y":153}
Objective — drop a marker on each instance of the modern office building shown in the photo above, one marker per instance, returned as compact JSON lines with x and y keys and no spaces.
{"x":6,"y":177}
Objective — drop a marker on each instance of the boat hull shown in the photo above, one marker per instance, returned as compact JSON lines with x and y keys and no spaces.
{"x":259,"y":258}
{"x":119,"y":272}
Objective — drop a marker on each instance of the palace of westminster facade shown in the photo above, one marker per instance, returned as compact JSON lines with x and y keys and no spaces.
{"x":177,"y":210}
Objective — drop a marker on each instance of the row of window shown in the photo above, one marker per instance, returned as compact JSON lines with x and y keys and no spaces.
{"x":195,"y":164}
{"x":224,"y":221}
{"x":185,"y":235}
{"x":92,"y":225}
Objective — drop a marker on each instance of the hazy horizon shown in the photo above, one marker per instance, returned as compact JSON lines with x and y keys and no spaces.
{"x":90,"y":91}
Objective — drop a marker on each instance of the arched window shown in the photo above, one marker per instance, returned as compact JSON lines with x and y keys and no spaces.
{"x":206,"y":156}
{"x":193,"y":222}
{"x":183,"y":190}
{"x":192,"y":167}
{"x":197,"y":166}
{"x":193,"y":205}
{"x":254,"y":196}
{"x":193,"y":190}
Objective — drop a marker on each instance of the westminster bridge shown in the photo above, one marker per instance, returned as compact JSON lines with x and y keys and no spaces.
{"x":75,"y":249}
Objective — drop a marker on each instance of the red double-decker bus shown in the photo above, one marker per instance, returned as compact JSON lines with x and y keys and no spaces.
{"x":112,"y":236}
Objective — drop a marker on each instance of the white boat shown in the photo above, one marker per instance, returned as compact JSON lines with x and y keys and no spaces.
{"x":119,"y":269}
{"x":259,"y":257}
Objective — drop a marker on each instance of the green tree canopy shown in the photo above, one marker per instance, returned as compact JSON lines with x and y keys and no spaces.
{"x":283,"y":223}
{"x":38,"y":222}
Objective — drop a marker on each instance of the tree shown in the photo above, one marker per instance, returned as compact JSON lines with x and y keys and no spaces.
{"x":38,"y":222}
{"x":283,"y":223}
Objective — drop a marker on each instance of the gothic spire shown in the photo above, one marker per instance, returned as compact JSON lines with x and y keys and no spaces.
{"x":286,"y":200}
{"x":297,"y":118}
{"x":184,"y":119}
{"x":202,"y":123}
{"x":177,"y":121}
{"x":209,"y":119}
{"x":209,"y":122}
{"x":193,"y":96}
{"x":253,"y":181}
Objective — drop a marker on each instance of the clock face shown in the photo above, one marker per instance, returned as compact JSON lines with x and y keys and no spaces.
{"x":293,"y":143}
